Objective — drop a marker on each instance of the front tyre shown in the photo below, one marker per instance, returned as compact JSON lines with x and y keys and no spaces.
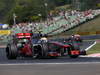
{"x":11,"y":51}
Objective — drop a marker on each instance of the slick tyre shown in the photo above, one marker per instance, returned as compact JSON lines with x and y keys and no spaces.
{"x":11,"y":52}
{"x":37,"y":51}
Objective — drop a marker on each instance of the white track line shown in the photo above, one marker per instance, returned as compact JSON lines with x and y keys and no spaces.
{"x":90,"y":46}
{"x":2,"y":46}
{"x":29,"y":64}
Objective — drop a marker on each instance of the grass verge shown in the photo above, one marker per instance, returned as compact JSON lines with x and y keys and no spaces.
{"x":94,"y":49}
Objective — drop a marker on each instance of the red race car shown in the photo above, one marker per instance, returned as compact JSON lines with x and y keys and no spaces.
{"x":19,"y":45}
{"x":38,"y":46}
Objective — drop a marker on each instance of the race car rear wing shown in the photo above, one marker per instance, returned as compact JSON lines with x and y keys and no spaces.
{"x":23,"y":35}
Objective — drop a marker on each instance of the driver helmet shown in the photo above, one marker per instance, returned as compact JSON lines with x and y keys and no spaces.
{"x":44,"y":39}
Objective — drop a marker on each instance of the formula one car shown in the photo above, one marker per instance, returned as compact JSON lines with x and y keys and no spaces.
{"x":38,"y":46}
{"x":19,"y":45}
{"x":47,"y":48}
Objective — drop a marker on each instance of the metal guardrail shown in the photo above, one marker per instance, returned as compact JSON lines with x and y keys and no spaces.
{"x":89,"y":37}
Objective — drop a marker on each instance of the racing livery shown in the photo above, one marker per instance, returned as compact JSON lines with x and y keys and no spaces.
{"x":38,"y":46}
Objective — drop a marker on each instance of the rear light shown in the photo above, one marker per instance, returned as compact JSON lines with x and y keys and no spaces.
{"x":20,"y":34}
{"x":75,"y":52}
{"x":23,"y":35}
{"x":27,"y":34}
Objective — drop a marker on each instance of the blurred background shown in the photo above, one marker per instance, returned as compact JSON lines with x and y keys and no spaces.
{"x":53,"y":17}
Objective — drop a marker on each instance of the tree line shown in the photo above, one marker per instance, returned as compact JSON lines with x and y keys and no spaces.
{"x":29,"y":10}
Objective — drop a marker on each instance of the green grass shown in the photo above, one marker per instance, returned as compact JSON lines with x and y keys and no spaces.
{"x":94,"y":49}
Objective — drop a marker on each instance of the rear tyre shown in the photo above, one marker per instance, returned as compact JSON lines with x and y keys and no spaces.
{"x":11,"y":51}
{"x":37,"y":51}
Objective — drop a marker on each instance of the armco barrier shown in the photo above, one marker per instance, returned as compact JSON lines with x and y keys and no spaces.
{"x":88,"y":37}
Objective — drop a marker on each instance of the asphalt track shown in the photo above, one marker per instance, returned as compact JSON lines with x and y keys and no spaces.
{"x":51,"y":69}
{"x":59,"y":66}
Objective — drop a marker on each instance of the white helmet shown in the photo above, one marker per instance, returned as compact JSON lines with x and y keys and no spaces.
{"x":44,"y":39}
